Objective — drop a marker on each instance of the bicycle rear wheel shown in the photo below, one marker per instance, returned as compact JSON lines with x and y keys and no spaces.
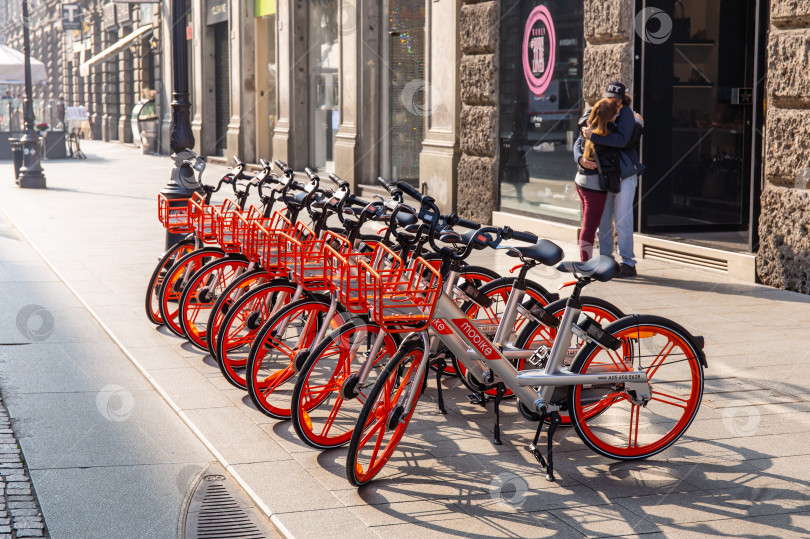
{"x":175,"y":253}
{"x":328,"y":396}
{"x":384,"y":418}
{"x":535,"y":335}
{"x":615,"y":419}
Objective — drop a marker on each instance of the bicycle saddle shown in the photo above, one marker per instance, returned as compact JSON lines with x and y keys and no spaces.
{"x":600,"y":268}
{"x":544,"y":251}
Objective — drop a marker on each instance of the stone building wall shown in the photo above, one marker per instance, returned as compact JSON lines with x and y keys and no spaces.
{"x":477,"y":190}
{"x":608,"y":46}
{"x":783,"y":259}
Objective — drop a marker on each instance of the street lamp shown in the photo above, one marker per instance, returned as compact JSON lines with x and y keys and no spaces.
{"x":31,"y":175}
{"x":182,"y":183}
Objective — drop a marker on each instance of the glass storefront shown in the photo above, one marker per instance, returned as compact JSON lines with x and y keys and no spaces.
{"x":404,"y":89}
{"x":697,"y":142}
{"x":541,"y":100}
{"x":324,"y":82}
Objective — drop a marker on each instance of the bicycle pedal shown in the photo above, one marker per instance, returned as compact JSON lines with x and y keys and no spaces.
{"x":537,"y":455}
{"x":478,"y":399}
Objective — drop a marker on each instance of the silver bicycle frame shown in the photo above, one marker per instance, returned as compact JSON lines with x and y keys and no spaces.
{"x":479,"y":355}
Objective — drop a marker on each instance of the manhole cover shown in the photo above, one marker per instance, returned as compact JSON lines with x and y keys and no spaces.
{"x":218,"y":509}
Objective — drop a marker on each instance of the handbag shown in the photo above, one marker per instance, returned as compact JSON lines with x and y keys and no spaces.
{"x":610,"y":181}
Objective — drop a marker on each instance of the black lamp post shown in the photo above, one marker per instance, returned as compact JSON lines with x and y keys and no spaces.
{"x":31,"y":175}
{"x":182,"y":183}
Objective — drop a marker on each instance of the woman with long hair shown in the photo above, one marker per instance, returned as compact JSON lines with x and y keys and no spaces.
{"x":592,"y":195}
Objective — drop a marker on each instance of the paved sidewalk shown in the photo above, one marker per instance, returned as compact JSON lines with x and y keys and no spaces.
{"x":741,"y":469}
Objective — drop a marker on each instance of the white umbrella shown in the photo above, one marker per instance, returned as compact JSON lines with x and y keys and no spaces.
{"x":12,"y":67}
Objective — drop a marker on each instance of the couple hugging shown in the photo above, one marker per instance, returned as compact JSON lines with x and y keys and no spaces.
{"x":607,"y":175}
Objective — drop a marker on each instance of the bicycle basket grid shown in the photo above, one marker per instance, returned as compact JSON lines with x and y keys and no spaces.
{"x":174,"y":214}
{"x":401,"y":300}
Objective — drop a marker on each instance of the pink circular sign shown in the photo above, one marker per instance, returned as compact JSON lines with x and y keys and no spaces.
{"x":539,"y":43}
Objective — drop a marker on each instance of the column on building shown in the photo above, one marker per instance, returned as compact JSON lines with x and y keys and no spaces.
{"x":265,"y":111}
{"x":445,"y":69}
{"x":95,"y":80}
{"x":241,"y":128}
{"x":198,"y":89}
{"x":126,"y":84}
{"x":783,"y":259}
{"x":290,"y":134}
{"x":347,"y":144}
{"x":479,"y":30}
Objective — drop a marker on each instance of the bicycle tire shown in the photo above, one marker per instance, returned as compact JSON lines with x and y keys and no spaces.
{"x":644,"y":338}
{"x":270,"y":368}
{"x":382,"y":408}
{"x":172,"y":287}
{"x":172,"y":255}
{"x":227,"y":299}
{"x":235,"y":339}
{"x":325,"y":401}
{"x":194,"y":309}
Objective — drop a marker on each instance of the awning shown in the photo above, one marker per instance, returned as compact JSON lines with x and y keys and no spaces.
{"x":12,"y":67}
{"x":84,"y":68}
{"x":264,"y":7}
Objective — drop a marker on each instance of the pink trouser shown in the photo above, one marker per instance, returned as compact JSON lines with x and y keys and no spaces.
{"x":593,"y":204}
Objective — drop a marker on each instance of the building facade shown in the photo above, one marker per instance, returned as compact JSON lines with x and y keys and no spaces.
{"x":476,"y":102}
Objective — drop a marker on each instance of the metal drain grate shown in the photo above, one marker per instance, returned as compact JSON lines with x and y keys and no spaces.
{"x":218,"y":510}
{"x":688,"y":259}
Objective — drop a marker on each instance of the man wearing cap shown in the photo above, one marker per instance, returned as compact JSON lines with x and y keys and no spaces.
{"x":619,"y":206}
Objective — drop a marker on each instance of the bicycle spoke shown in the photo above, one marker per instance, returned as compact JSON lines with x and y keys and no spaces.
{"x":632,"y":440}
{"x":656,"y":363}
{"x":672,"y":400}
{"x":332,"y":414}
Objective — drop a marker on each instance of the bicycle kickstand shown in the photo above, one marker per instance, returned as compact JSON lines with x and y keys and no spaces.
{"x":440,"y":365}
{"x":500,"y":390}
{"x":555,"y":419}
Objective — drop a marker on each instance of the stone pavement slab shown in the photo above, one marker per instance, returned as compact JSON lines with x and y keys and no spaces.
{"x":97,"y":226}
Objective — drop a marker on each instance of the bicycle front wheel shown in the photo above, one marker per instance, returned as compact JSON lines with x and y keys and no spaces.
{"x":384,"y":417}
{"x":175,"y":253}
{"x":271,"y":373}
{"x":178,"y":276}
{"x":241,"y":286}
{"x":627,"y":421}
{"x":242,"y":322}
{"x":328,"y":395}
{"x":201,"y":294}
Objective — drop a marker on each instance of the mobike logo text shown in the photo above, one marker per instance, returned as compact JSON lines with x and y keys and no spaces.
{"x":479,"y":341}
{"x":440,"y":327}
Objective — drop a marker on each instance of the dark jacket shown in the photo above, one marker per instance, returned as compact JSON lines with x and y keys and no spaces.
{"x":621,"y":144}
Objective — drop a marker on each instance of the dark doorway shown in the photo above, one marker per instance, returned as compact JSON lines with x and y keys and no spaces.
{"x":222,"y":95}
{"x":697,"y":90}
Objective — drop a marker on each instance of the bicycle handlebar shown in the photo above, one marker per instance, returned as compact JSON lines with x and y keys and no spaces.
{"x":282,"y":166}
{"x":411,"y":191}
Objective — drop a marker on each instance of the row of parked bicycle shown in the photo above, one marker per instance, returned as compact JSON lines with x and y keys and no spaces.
{"x":336,"y":328}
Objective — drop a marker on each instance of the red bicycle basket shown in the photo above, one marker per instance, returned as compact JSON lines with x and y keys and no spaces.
{"x":204,"y":218}
{"x":174,"y":214}
{"x":308,"y":260}
{"x":401,"y":300}
{"x":262,"y":236}
{"x":227,"y":227}
{"x":346,"y":274}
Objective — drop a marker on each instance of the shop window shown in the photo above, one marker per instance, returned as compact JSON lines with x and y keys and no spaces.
{"x":541,"y":100}
{"x":324,"y":82}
